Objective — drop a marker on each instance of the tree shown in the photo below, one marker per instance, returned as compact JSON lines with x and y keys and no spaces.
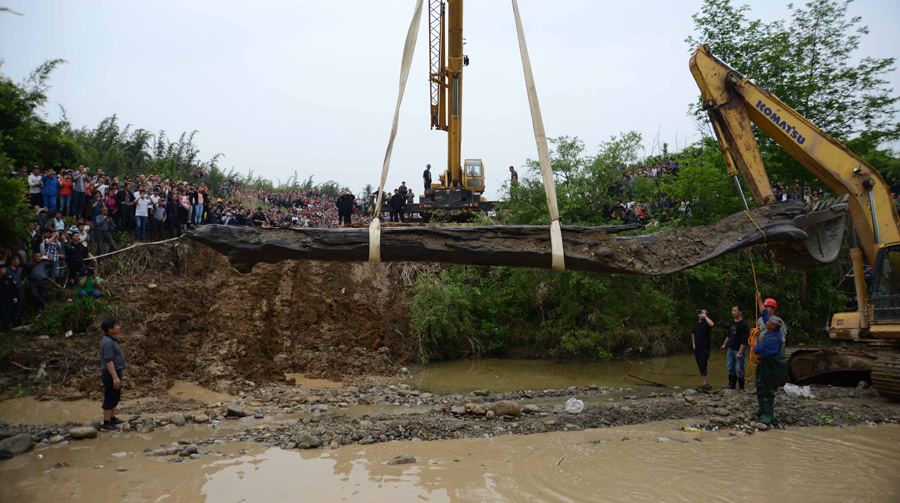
{"x":811,"y":63}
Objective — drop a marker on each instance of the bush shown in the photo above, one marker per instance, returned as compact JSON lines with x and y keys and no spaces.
{"x":77,"y":316}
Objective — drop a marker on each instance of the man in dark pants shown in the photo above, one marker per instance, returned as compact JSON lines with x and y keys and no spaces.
{"x":15,"y":271}
{"x":736,"y":345}
{"x":38,"y":273}
{"x":426,"y":176}
{"x":8,"y":299}
{"x":702,"y":341}
{"x":112,"y":361}
{"x":771,"y":369}
{"x":396,"y":204}
{"x":345,"y":206}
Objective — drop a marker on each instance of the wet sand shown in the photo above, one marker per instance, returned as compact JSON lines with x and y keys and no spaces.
{"x":614,"y":464}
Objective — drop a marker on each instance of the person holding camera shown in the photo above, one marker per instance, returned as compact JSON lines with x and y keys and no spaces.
{"x":89,"y":284}
{"x":701,"y":340}
{"x":103,"y":228}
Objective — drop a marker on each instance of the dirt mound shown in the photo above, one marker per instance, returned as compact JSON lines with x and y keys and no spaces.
{"x":194,"y":318}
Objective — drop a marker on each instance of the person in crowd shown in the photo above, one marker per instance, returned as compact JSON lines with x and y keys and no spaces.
{"x":345,"y":207}
{"x":736,"y":344}
{"x":17,"y":275}
{"x":38,"y":272}
{"x":141,"y":213}
{"x":51,"y":248}
{"x":75,"y":254}
{"x":58,"y":224}
{"x":701,"y":341}
{"x":49,"y":190}
{"x":173,"y":209}
{"x":65,"y":193}
{"x":8,"y":299}
{"x":112,"y":204}
{"x":125,"y":198}
{"x":112,"y":364}
{"x":34,"y":186}
{"x":89,"y":284}
{"x":403,"y":190}
{"x":103,"y":227}
{"x":396,"y":204}
{"x":157,"y":224}
{"x":34,"y":237}
{"x":771,"y":368}
{"x":79,"y":186}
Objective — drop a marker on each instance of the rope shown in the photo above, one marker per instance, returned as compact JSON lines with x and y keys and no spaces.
{"x":135,"y":245}
{"x":409,"y":48}
{"x":754,"y":332}
{"x":540,"y":137}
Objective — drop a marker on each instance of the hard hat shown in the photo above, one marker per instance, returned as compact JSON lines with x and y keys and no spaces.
{"x":771,"y":303}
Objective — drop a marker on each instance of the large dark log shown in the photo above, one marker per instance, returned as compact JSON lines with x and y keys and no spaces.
{"x":586,"y":248}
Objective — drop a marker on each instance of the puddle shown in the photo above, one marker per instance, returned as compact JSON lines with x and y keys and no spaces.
{"x":188,"y":391}
{"x":301,"y":381}
{"x":504,"y":376}
{"x":30,"y":410}
{"x":588,"y":466}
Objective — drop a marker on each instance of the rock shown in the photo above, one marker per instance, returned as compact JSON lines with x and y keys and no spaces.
{"x":291,"y":445}
{"x":691,"y":400}
{"x":20,"y":443}
{"x":201,"y":418}
{"x":530,"y":408}
{"x":481,"y":392}
{"x":148,"y":426}
{"x":722,"y":411}
{"x":177,"y":419}
{"x":55,"y":439}
{"x":863,"y":385}
{"x":458,"y":409}
{"x":121,"y":469}
{"x":233,"y":410}
{"x":489,"y":414}
{"x":170,"y":427}
{"x":259,"y":415}
{"x":426,"y":395}
{"x":187,"y":451}
{"x":158,"y":453}
{"x":119,"y":454}
{"x":506,"y":408}
{"x":95,"y":423}
{"x":402,"y":460}
{"x":83,"y":432}
{"x":762,"y":426}
{"x":307,"y":441}
{"x":195,"y":456}
{"x":334,"y":445}
{"x":479,"y":411}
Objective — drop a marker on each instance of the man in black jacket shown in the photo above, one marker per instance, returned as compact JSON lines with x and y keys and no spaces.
{"x":345,"y":206}
{"x":396,"y":204}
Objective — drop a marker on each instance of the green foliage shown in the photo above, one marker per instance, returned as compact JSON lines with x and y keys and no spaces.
{"x":440,"y":317}
{"x":26,"y":138}
{"x":811,"y":62}
{"x":76,"y":316}
{"x":15,"y":210}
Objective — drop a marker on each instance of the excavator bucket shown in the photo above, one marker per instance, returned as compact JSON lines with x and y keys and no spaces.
{"x":826,"y":235}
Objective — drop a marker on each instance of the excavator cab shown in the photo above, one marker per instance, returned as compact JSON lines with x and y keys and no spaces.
{"x":884,"y":292}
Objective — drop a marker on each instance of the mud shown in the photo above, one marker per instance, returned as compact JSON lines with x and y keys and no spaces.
{"x":652,"y":462}
{"x":186,"y":315}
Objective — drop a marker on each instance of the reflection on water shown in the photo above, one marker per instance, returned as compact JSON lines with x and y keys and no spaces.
{"x":595,"y":465}
{"x":615,"y":464}
{"x":514,"y":375}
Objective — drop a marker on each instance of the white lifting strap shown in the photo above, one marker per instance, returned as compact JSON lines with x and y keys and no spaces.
{"x":408,"y":49}
{"x":540,"y":137}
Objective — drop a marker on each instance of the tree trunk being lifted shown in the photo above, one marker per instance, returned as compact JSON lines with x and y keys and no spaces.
{"x":586,"y":248}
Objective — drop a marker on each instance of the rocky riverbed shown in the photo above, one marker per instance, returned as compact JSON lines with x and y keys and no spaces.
{"x":285,"y":416}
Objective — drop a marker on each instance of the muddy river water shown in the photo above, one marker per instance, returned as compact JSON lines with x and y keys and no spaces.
{"x":652,"y":462}
{"x":511,"y":375}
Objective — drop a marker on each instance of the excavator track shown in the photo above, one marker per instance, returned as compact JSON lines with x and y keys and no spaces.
{"x":886,"y":375}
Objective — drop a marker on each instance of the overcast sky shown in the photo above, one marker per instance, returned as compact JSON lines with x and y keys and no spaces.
{"x":310,"y":86}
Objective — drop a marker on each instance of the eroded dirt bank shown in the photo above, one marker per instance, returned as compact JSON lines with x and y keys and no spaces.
{"x":186,"y":314}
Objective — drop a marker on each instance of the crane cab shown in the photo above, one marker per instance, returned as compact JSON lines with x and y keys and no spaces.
{"x":473,"y":176}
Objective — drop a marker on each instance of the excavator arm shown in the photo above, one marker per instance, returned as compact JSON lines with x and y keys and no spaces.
{"x":733,"y":102}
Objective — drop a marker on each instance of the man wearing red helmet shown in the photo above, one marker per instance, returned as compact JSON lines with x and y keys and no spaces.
{"x":767,"y":309}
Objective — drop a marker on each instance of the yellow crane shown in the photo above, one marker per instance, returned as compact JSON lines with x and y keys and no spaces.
{"x":733,"y":103}
{"x":459,"y":194}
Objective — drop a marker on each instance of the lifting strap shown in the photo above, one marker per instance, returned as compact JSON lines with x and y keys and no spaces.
{"x":408,"y":49}
{"x":540,"y":137}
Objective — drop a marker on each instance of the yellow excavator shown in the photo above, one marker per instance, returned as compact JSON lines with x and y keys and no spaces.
{"x":458,"y":196}
{"x":733,"y":104}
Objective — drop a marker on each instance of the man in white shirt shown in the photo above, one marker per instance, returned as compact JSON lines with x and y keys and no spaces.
{"x":34,"y":187}
{"x":141,"y":212}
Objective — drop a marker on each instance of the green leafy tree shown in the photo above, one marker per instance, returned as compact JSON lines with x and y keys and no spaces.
{"x":812,"y":63}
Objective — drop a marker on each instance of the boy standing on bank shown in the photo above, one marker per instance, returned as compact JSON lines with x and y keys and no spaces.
{"x":112,"y":360}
